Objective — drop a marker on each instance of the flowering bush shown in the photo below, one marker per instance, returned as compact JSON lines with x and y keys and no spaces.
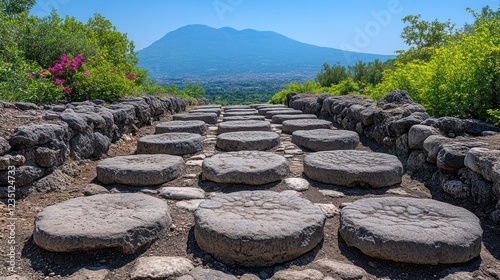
{"x":65,"y":74}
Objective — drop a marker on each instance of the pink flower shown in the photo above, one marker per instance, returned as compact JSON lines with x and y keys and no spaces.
{"x":131,"y":76}
{"x":67,"y":89}
{"x":31,"y":76}
{"x":113,"y":71}
{"x":59,"y":81}
{"x":86,"y":73}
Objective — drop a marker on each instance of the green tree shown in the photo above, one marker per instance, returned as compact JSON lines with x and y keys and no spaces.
{"x":194,"y":90}
{"x":331,"y":75}
{"x":423,"y":37}
{"x":15,"y":7}
{"x":460,"y":79}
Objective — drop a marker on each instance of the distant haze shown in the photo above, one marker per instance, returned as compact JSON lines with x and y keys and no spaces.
{"x":201,"y":52}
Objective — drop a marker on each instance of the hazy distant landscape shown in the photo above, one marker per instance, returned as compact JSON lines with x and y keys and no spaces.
{"x":246,"y":62}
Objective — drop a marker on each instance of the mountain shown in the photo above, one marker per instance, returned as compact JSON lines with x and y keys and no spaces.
{"x":202,"y":52}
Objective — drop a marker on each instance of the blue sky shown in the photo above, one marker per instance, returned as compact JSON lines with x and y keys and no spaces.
{"x":371,"y":26}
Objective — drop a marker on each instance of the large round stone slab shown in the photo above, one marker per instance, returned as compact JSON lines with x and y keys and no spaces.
{"x":258,"y":228}
{"x":352,"y":168}
{"x":270,"y":114}
{"x":244,"y":118}
{"x":305,"y":124}
{"x":236,"y":107}
{"x":262,"y":106}
{"x":239,"y":110}
{"x":198,"y":127}
{"x":247,"y":140}
{"x":264,"y":110}
{"x":206,"y":110}
{"x":139,"y":170}
{"x":207,"y":107}
{"x":245,"y":167}
{"x":281,"y":118}
{"x":421,"y":231}
{"x":124,"y":221}
{"x":326,"y":139}
{"x":241,"y":113}
{"x":210,"y":118}
{"x":170,"y":143}
{"x":247,"y":125}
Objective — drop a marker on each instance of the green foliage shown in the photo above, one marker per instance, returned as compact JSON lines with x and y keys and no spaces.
{"x":15,"y":7}
{"x":345,"y":86}
{"x":331,"y":75}
{"x":193,"y":90}
{"x":462,"y":76}
{"x":423,"y":37}
{"x":29,"y":44}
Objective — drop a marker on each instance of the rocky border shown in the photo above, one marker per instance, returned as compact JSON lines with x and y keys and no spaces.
{"x":85,"y":130}
{"x":436,"y":147}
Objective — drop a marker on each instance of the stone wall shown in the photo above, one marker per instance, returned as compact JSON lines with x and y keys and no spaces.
{"x":460,"y":157}
{"x":44,"y":154}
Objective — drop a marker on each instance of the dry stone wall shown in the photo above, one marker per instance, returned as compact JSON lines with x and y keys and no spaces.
{"x":460,"y":157}
{"x":41,"y":153}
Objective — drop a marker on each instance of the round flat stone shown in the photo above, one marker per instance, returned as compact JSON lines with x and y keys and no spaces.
{"x":247,"y":125}
{"x":139,"y":170}
{"x":305,"y":124}
{"x":240,"y":110}
{"x":270,"y":114}
{"x":210,"y":118}
{"x":281,"y":118}
{"x":326,"y":139}
{"x":411,"y":230}
{"x":244,"y":118}
{"x":124,"y":221}
{"x":170,"y":143}
{"x":236,"y":107}
{"x":198,"y":127}
{"x":263,"y":111}
{"x":247,"y":140}
{"x":352,"y":168}
{"x":241,"y":113}
{"x":258,"y":228}
{"x":207,"y":107}
{"x":206,"y":110}
{"x":262,"y":106}
{"x":245,"y":167}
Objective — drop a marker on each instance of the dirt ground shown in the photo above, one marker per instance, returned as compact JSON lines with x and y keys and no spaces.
{"x":36,"y":263}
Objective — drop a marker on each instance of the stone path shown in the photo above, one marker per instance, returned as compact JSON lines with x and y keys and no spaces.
{"x":235,"y":149}
{"x":258,"y":228}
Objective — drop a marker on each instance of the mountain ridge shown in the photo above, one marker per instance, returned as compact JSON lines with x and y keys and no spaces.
{"x":202,"y":52}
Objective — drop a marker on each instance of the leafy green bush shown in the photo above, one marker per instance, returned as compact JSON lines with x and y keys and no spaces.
{"x":460,"y":79}
{"x":345,"y":86}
